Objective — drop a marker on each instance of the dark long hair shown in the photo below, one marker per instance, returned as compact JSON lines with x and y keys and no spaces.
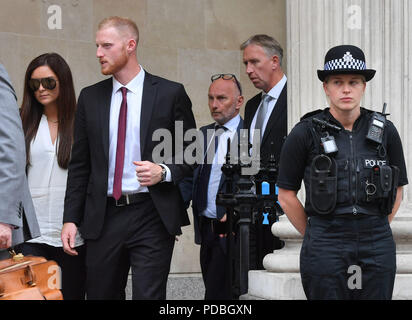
{"x":31,"y":110}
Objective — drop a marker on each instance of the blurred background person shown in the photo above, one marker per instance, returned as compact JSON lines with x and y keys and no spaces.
{"x":266,"y":111}
{"x":17,"y":218}
{"x":209,"y":220}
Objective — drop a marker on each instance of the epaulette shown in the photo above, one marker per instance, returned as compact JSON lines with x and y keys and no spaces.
{"x":312,"y":113}
{"x":364,"y":110}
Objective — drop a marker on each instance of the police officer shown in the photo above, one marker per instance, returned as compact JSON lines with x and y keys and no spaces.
{"x":352,"y":164}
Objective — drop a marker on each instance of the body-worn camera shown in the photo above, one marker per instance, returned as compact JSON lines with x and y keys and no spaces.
{"x":327,"y":141}
{"x":329,"y":144}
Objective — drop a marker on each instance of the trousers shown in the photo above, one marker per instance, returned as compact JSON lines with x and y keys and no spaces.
{"x":133,"y":237}
{"x":349,"y":257}
{"x":213,"y":251}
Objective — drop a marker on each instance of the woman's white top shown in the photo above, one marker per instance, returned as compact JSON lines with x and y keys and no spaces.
{"x":47,"y":183}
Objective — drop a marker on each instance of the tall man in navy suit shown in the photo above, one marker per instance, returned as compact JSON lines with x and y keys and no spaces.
{"x":267,"y":111}
{"x":225,"y":100}
{"x":128,"y":208}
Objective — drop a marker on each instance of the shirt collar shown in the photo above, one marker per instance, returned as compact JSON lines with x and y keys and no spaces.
{"x":133,"y":84}
{"x":277,"y":89}
{"x":232,"y":124}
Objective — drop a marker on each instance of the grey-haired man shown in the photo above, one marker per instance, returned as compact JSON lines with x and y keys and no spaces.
{"x":266,"y":111}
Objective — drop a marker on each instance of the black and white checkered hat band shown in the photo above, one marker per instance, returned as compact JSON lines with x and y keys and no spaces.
{"x":339,"y":64}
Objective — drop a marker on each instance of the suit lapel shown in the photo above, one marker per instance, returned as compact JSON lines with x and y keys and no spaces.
{"x":104,"y":101}
{"x":274,"y":117}
{"x":148,"y":99}
{"x":198,"y":170}
{"x":252,"y":110}
{"x":206,"y":141}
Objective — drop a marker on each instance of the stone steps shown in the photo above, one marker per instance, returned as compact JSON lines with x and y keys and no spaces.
{"x":180,"y":286}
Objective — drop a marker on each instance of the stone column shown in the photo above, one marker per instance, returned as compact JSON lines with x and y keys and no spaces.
{"x":383,"y":29}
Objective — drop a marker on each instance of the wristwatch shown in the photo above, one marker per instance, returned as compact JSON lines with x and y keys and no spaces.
{"x":163,"y":176}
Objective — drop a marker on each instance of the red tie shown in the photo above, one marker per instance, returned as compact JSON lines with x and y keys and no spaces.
{"x":121,"y":139}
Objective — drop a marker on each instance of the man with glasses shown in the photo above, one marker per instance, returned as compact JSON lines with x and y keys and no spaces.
{"x":225,"y":100}
{"x":17,"y":217}
{"x":267,"y":112}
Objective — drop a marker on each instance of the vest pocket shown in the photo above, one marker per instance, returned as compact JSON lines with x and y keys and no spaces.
{"x":376,"y":184}
{"x":368,"y":181}
{"x":323,"y":184}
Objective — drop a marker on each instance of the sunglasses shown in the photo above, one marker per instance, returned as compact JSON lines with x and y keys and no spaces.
{"x":47,"y":83}
{"x":227,"y":76}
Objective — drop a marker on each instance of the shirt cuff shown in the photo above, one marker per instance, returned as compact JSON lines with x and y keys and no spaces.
{"x":11,"y":226}
{"x":168,"y":173}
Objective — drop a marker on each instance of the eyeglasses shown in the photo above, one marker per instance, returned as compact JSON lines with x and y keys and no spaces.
{"x":47,"y":83}
{"x":227,"y":76}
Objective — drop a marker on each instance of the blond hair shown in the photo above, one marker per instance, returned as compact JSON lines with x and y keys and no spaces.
{"x":121,"y":24}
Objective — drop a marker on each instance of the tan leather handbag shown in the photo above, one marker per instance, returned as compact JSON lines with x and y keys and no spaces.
{"x":29,"y":278}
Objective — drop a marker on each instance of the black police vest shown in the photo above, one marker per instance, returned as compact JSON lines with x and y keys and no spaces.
{"x":354,"y":169}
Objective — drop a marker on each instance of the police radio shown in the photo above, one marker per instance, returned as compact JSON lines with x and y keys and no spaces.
{"x":377,"y":125}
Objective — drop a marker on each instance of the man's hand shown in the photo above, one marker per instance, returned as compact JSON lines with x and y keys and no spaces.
{"x":148,"y":173}
{"x":5,"y":236}
{"x":223,"y":220}
{"x":68,"y":237}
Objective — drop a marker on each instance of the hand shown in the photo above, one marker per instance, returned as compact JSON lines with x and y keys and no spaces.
{"x":148,"y":173}
{"x":68,"y":237}
{"x":223,"y":235}
{"x":5,"y":236}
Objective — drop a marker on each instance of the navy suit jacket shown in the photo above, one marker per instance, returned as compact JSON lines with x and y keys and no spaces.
{"x":163,"y":103}
{"x":188,"y":186}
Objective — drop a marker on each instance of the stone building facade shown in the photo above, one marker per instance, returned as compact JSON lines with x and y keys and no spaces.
{"x":189,"y":40}
{"x":182,"y":40}
{"x":382,"y":29}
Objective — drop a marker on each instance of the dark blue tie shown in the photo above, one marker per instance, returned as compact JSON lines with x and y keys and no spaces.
{"x":204,"y":175}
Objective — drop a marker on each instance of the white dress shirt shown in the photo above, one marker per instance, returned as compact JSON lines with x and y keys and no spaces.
{"x":274,"y":93}
{"x":47,"y":184}
{"x":218,"y":161}
{"x":132,"y":150}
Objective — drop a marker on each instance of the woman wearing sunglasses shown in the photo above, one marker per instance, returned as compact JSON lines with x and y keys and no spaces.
{"x":47,"y":114}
